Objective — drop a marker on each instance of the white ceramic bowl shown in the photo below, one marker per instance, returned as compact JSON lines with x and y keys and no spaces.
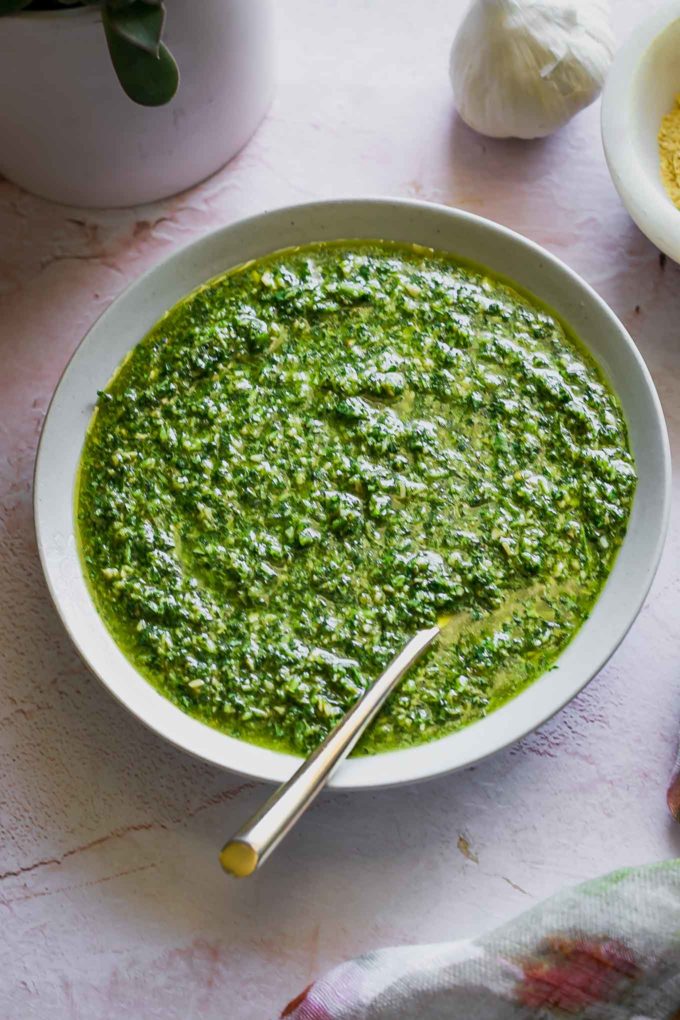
{"x":641,"y":87}
{"x":464,"y":234}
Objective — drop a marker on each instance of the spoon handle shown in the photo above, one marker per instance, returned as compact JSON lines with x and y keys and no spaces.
{"x":253,"y":843}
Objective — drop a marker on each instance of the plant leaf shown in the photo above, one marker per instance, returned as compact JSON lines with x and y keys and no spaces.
{"x":10,"y":6}
{"x":139,"y":23}
{"x":146,"y":79}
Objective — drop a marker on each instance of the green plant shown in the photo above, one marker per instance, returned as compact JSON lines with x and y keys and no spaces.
{"x":145,"y":66}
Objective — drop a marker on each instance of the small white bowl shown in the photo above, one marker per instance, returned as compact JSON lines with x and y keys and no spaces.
{"x":641,"y":88}
{"x":466,"y":235}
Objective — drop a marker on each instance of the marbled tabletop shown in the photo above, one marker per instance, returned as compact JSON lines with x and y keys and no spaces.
{"x":111,"y":899}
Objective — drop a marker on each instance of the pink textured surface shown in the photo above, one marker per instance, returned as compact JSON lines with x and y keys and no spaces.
{"x":111,"y":898}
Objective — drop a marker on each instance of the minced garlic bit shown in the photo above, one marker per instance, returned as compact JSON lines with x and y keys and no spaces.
{"x":669,"y":152}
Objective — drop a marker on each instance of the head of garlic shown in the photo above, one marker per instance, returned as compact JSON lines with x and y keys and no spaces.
{"x":522,"y":68}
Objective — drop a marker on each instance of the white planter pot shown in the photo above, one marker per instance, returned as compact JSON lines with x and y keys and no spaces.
{"x":69,"y":133}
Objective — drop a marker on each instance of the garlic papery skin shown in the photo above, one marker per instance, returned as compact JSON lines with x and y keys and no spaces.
{"x":522,"y":68}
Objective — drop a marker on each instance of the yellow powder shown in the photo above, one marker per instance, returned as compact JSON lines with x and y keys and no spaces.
{"x":669,"y":152}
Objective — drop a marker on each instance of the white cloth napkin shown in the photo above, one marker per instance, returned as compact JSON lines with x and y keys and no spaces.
{"x":606,"y":950}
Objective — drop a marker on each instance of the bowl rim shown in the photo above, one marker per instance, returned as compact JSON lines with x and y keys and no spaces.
{"x":410,"y":764}
{"x":649,"y":208}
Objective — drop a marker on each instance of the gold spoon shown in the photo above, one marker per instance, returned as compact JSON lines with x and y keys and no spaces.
{"x":254,"y":841}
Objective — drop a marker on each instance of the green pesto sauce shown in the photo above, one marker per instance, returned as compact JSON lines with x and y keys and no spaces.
{"x":321,"y":452}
